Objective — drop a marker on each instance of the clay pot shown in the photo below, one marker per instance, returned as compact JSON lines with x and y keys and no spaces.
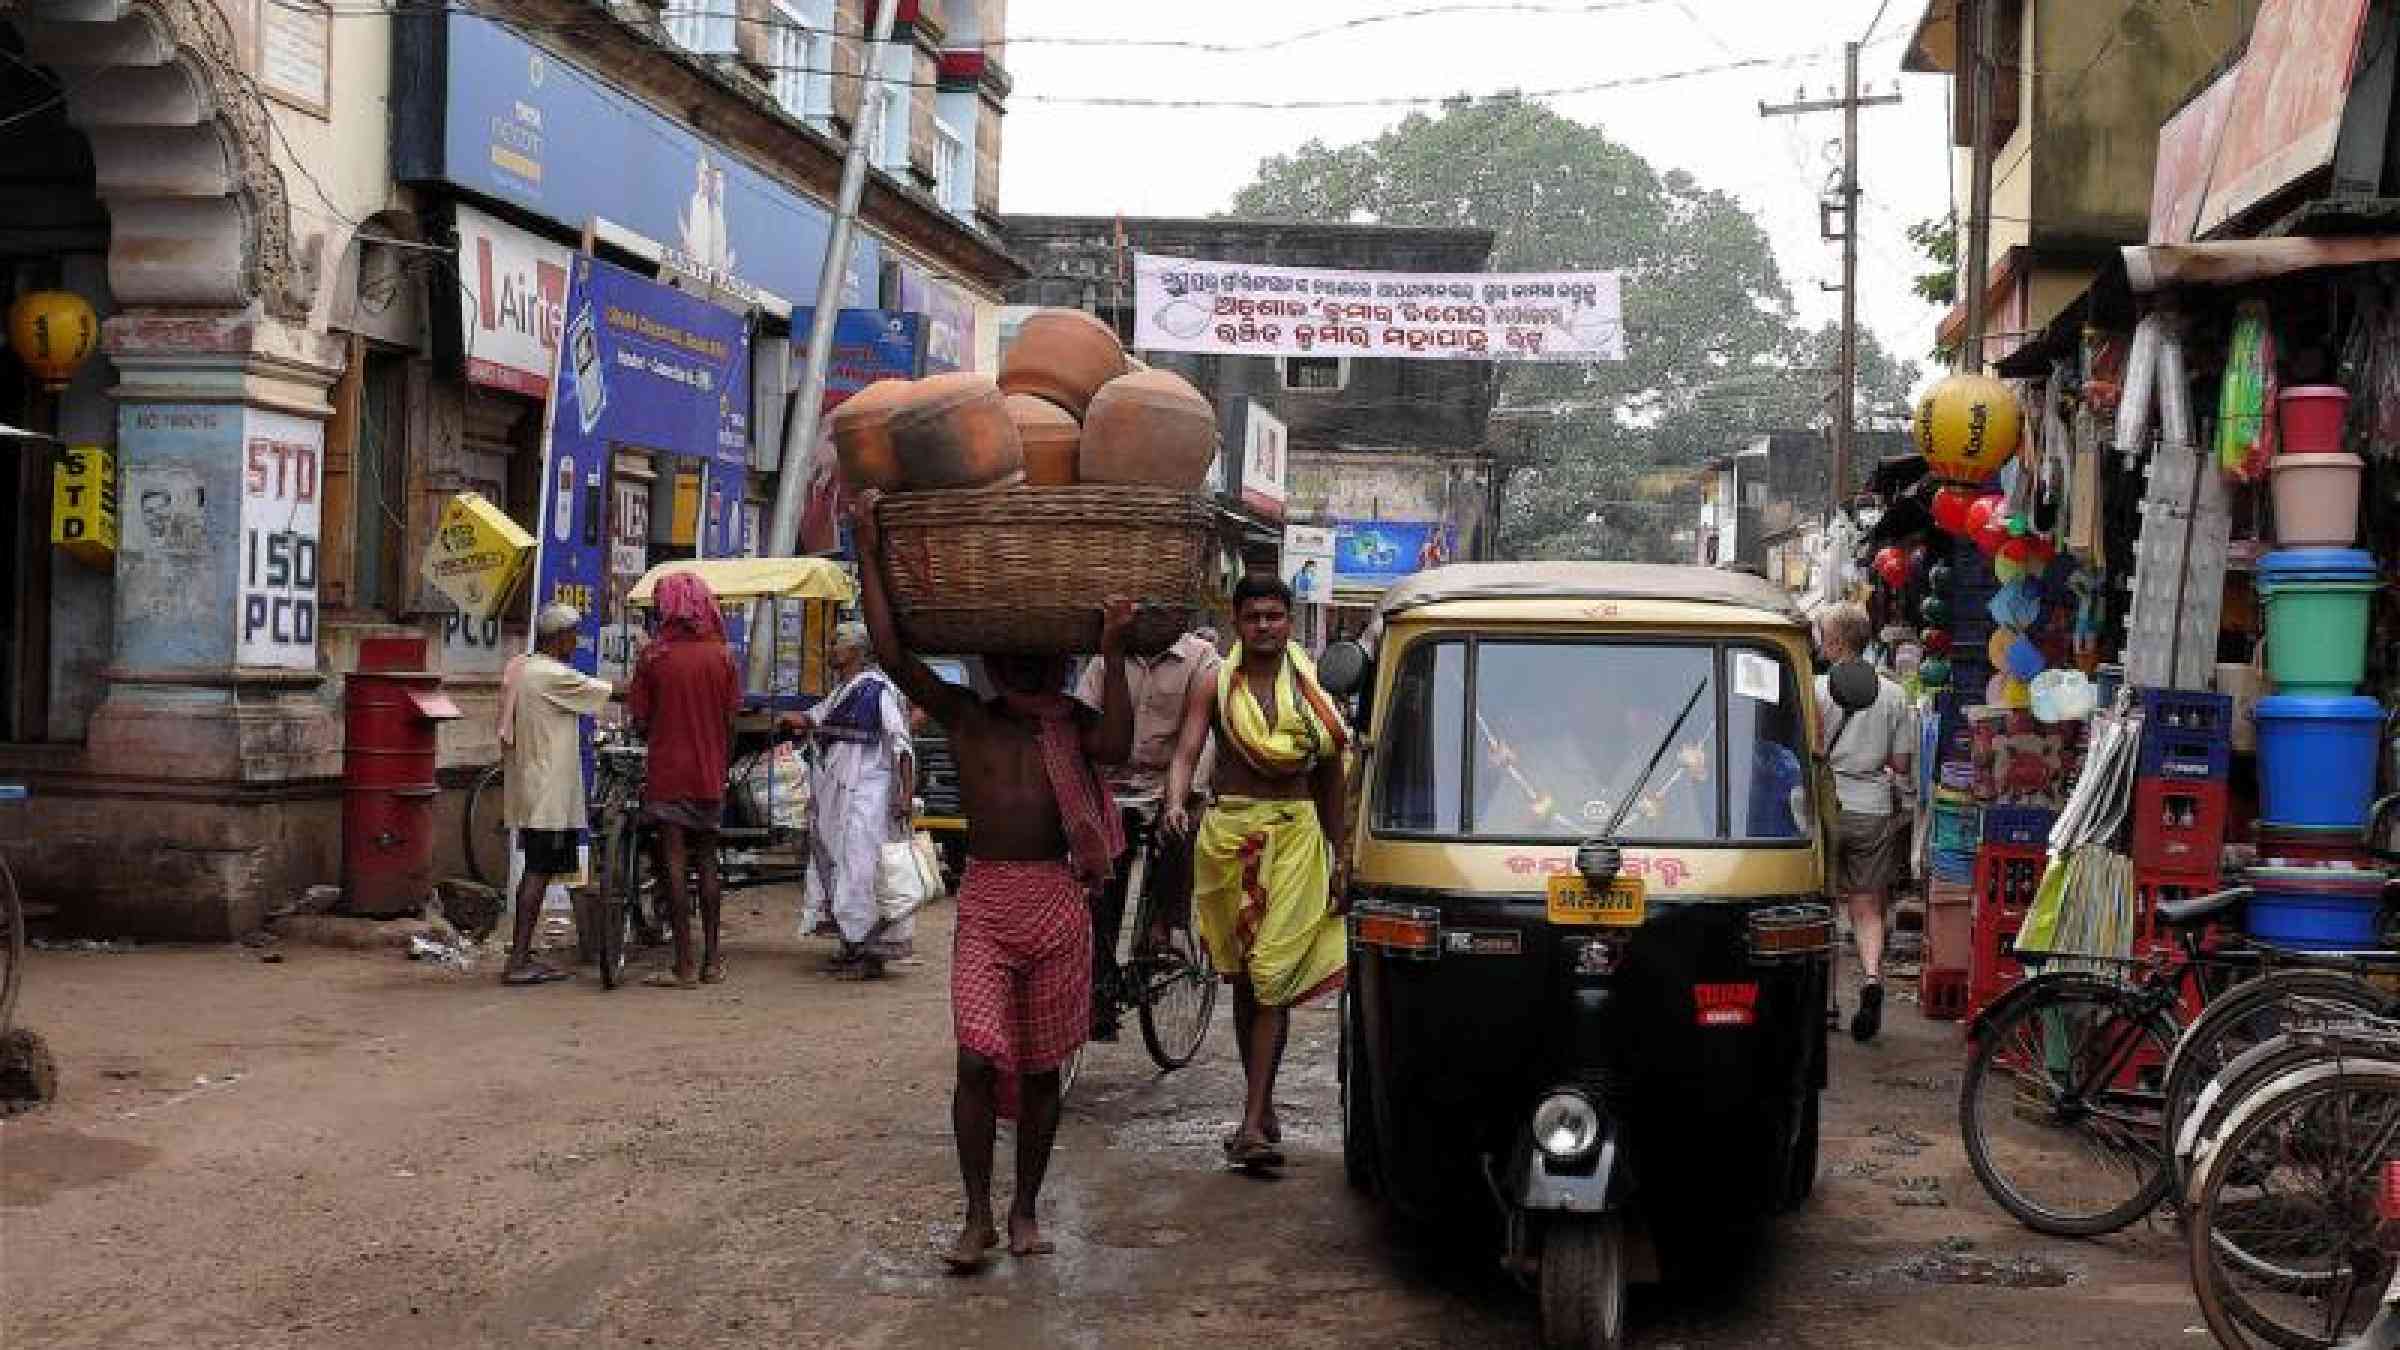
{"x":1063,"y":355}
{"x":1051,"y":437}
{"x":953,"y":431}
{"x":1151,"y":428}
{"x":862,"y":436}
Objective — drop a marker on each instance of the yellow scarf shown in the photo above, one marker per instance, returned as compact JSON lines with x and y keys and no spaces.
{"x":1306,"y":726}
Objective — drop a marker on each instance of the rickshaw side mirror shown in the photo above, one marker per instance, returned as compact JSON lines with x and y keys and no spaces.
{"x":1343,"y":669}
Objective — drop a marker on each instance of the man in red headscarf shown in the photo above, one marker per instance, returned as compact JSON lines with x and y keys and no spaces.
{"x":684,"y":695}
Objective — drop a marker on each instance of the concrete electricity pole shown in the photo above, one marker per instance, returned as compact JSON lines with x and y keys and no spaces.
{"x":808,"y":405}
{"x":1845,"y":420}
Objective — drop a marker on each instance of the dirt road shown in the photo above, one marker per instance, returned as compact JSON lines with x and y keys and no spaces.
{"x":348,"y":1149}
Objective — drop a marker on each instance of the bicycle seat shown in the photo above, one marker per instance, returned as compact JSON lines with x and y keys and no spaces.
{"x":2200,"y":908}
{"x":1143,"y":806}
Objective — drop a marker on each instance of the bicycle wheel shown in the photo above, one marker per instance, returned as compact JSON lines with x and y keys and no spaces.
{"x":619,"y":894}
{"x":2243,"y":1018}
{"x":2060,"y":1110}
{"x":12,"y":946}
{"x":2293,"y":1188}
{"x":483,"y":833}
{"x":1174,"y":987}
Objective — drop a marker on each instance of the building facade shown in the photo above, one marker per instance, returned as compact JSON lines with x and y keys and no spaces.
{"x":327,"y":247}
{"x":1391,"y":454}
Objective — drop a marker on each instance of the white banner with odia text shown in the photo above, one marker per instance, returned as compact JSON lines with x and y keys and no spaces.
{"x":1245,"y":309}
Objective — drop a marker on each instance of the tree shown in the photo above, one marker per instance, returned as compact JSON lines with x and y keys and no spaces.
{"x":1712,"y":352}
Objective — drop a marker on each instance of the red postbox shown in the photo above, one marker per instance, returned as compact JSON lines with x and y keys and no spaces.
{"x":393,"y":709}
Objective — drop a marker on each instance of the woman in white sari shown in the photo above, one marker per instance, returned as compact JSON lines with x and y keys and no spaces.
{"x":859,"y":801}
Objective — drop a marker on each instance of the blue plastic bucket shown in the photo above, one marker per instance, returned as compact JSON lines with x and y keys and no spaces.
{"x":2316,"y":758}
{"x":2287,"y":909}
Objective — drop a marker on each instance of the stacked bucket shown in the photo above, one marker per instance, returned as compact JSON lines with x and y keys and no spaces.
{"x":2318,"y":737}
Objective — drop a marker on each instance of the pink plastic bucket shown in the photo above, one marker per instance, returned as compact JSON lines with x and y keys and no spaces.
{"x":2311,"y":418}
{"x":2316,"y":500}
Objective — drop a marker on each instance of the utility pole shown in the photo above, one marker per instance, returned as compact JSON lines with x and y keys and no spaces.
{"x":808,"y":406}
{"x":1980,"y":38}
{"x":1845,"y":419}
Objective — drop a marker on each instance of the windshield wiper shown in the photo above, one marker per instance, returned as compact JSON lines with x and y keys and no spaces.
{"x":1633,"y":795}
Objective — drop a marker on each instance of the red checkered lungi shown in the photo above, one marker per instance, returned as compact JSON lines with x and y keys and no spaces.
{"x":1021,"y":965}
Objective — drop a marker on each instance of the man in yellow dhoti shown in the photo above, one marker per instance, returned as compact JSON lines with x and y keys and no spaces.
{"x":1266,"y":894}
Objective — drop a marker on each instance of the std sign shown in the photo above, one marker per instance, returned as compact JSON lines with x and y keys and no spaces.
{"x":276,"y":617}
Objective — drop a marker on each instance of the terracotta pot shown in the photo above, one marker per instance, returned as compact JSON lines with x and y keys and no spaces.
{"x":1063,"y":355}
{"x":1149,"y":428}
{"x":862,"y":436}
{"x":953,"y":431}
{"x":1051,"y":437}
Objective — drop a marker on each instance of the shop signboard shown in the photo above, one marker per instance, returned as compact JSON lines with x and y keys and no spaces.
{"x":276,"y":614}
{"x":481,"y":108}
{"x":949,"y":315}
{"x":83,"y":505}
{"x":512,"y":300}
{"x":2286,"y":113}
{"x":641,"y":366}
{"x":477,"y":555}
{"x":1308,"y":562}
{"x":2187,"y":148}
{"x":1373,"y":554}
{"x":1245,"y":309}
{"x":1266,"y":459}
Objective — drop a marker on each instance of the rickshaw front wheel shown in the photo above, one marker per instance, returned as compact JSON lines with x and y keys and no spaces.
{"x":1583,"y":1283}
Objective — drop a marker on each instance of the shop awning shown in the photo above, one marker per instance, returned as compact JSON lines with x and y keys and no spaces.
{"x":754,"y":579}
{"x":9,"y":433}
{"x":2234,"y":262}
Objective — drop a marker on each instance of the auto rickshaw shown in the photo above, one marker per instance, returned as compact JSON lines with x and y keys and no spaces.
{"x":1591,"y":940}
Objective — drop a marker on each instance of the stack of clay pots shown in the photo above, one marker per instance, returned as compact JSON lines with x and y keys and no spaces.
{"x":1069,"y":407}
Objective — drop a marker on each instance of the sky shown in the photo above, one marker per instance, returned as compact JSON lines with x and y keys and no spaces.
{"x":1074,"y":160}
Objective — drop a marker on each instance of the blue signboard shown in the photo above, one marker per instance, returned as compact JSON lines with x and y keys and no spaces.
{"x":645,"y":367}
{"x":868,"y":345}
{"x":525,"y":127}
{"x":1377,"y":553}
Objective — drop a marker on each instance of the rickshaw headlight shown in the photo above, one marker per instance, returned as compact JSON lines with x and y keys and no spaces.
{"x":1565,"y":1126}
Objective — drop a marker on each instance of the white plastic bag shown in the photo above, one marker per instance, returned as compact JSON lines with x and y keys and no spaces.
{"x":899,"y":885}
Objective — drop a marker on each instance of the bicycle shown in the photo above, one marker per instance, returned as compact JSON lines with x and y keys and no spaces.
{"x":2294,"y":1214}
{"x":1172,"y":989}
{"x":483,"y":828}
{"x":2081,"y":1145}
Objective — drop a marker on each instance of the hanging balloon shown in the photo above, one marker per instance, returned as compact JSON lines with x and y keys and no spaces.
{"x":1936,"y":640}
{"x":2025,"y":659}
{"x":1935,"y":611}
{"x":1950,"y":509}
{"x":1979,"y":513}
{"x":1918,"y":556}
{"x":1967,"y":427}
{"x":2018,"y":551}
{"x":1996,"y":649}
{"x":1892,"y":565}
{"x":2018,"y":525}
{"x":2009,"y":570}
{"x":1995,"y":690}
{"x":1993,"y":534}
{"x":1937,"y":577}
{"x":2044,"y":552}
{"x":1935,"y":673}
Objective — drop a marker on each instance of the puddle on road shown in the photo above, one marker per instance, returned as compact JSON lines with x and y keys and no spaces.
{"x":43,"y":1162}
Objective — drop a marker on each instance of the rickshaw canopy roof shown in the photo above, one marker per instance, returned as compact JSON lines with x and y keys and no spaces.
{"x":754,"y":579}
{"x":1590,"y":581}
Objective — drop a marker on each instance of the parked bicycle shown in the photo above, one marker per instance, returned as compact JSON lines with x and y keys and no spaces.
{"x":1171,"y":985}
{"x":2293,"y":1214}
{"x":2079,"y":1081}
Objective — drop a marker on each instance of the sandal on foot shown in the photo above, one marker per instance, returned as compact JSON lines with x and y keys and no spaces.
{"x":713,"y":973}
{"x":1253,"y":1154}
{"x":529,"y":975}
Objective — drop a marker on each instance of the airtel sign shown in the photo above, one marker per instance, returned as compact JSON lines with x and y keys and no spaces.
{"x":512,"y":303}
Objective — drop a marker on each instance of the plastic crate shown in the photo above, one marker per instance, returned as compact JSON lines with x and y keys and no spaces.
{"x":2184,"y":757}
{"x":1956,"y":828}
{"x":2179,"y":826}
{"x":2186,"y":714}
{"x":2006,"y":879}
{"x":1950,"y":932}
{"x":2018,"y":826}
{"x":1942,"y":994}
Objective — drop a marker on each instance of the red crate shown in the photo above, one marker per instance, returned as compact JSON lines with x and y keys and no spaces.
{"x":1942,"y":994}
{"x":1949,"y":930}
{"x":2150,"y":888}
{"x":2006,"y":880}
{"x":2178,"y":824}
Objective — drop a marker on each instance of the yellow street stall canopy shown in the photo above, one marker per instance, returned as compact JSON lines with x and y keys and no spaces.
{"x":754,"y":579}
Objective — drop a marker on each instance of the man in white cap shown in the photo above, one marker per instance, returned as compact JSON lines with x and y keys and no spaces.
{"x":543,"y":701}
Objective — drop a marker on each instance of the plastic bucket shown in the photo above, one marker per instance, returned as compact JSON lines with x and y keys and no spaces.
{"x":2310,"y":418}
{"x":2311,"y":846}
{"x":2316,"y":500}
{"x":2316,"y":909}
{"x":2316,"y":759}
{"x":2317,"y":636}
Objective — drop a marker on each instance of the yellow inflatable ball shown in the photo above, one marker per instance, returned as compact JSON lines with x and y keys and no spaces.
{"x":1997,"y":649}
{"x":1967,"y":426}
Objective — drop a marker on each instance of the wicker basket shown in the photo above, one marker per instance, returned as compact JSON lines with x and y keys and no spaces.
{"x":1026,"y":569}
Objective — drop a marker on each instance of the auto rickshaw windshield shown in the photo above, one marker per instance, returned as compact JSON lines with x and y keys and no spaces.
{"x":1560,"y":732}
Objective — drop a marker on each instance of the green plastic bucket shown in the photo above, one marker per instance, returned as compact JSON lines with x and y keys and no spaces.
{"x":2317,"y":635}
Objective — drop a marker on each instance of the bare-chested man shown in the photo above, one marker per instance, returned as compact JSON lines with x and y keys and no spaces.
{"x":1041,"y":835}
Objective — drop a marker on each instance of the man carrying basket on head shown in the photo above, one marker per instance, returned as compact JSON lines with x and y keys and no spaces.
{"x":1042,"y":834}
{"x":1266,"y":894}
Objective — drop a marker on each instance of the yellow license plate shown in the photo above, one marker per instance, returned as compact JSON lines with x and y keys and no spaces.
{"x":1572,"y":900}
